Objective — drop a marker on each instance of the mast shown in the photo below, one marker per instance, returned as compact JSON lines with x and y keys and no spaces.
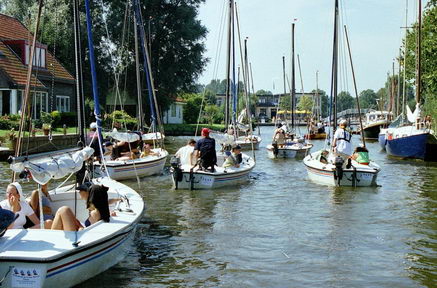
{"x":419,"y":54}
{"x":335,"y":70}
{"x":228,"y":67}
{"x":318,"y":100}
{"x":285,"y":87}
{"x":293,"y":80}
{"x":78,"y":71}
{"x":93,"y":73}
{"x":138,"y":78}
{"x":234,"y":84}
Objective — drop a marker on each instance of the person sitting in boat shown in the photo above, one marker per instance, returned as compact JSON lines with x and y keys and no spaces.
{"x":186,"y":153}
{"x":16,"y":203}
{"x":234,"y":159}
{"x":108,"y":151}
{"x":279,"y":137}
{"x":324,"y":156}
{"x":320,"y":128}
{"x":46,"y":202}
{"x":205,"y":148}
{"x":342,"y":141}
{"x":96,"y":197}
{"x":126,"y":151}
{"x":93,"y":140}
{"x":147,"y":151}
{"x":361,"y":155}
{"x":6,"y":219}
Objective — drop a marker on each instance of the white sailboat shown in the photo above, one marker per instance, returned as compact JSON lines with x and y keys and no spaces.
{"x":152,"y":164}
{"x":185,"y":175}
{"x":57,"y":258}
{"x":323,"y":166}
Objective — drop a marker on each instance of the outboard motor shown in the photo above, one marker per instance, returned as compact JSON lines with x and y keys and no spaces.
{"x":338,"y":173}
{"x":175,"y":163}
{"x":275,"y":149}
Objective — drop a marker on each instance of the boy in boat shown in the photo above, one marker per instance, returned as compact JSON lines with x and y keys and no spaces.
{"x":147,"y":151}
{"x":186,"y":153}
{"x":234,"y":159}
{"x":342,"y":141}
{"x":205,"y":148}
{"x":361,"y":155}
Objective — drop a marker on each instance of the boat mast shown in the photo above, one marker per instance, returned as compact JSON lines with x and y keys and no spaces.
{"x":318,"y":98}
{"x":138,"y":78}
{"x":93,"y":74}
{"x":228,"y":68}
{"x":234,"y":84}
{"x":293,"y":80}
{"x":334,"y":70}
{"x":419,"y":54}
{"x":285,"y":89}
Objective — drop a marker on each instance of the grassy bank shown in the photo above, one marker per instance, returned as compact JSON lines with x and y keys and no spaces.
{"x":189,"y":129}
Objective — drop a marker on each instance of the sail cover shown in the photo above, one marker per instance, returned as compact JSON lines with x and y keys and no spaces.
{"x":44,"y":169}
{"x":152,"y":136}
{"x":124,"y":136}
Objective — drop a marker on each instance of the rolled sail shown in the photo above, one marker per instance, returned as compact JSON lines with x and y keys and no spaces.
{"x":55,"y":167}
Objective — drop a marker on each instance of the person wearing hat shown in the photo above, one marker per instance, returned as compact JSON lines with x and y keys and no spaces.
{"x":16,"y":203}
{"x":234,"y":159}
{"x":93,"y":140}
{"x":342,"y":141}
{"x":205,"y":150}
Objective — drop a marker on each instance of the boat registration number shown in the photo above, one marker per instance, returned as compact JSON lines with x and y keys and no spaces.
{"x":206,"y":181}
{"x":366,"y":176}
{"x":25,"y":277}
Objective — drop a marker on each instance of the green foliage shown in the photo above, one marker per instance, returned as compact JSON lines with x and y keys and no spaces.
{"x":67,"y":118}
{"x":127,"y":122}
{"x":263,"y":92}
{"x":192,"y":108}
{"x":216,"y":86}
{"x":46,"y":118}
{"x":190,"y":129}
{"x":345,"y":101}
{"x":212,"y":114}
{"x":368,"y":99}
{"x":306,"y":103}
{"x":7,"y":122}
{"x":56,"y":117}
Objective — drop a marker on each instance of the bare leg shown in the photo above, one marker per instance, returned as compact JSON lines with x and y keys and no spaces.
{"x":34,"y":201}
{"x":65,"y":220}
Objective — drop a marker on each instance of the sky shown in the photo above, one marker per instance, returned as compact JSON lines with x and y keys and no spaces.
{"x":374,"y":28}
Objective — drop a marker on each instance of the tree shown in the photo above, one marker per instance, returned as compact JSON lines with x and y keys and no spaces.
{"x":192,"y":108}
{"x":263,"y":92}
{"x":211,"y":114}
{"x":176,"y":42}
{"x":306,"y":103}
{"x":345,"y":101}
{"x":368,"y":99}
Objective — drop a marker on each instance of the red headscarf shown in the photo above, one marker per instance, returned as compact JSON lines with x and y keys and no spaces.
{"x":205,"y":132}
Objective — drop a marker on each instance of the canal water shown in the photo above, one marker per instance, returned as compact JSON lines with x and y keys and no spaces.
{"x":281,"y":230}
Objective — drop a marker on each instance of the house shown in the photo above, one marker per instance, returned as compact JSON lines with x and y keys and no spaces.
{"x":175,"y":114}
{"x":267,"y":106}
{"x":52,"y":86}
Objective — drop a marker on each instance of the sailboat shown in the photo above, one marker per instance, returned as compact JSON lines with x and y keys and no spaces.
{"x":154,"y":163}
{"x":187,"y":176}
{"x":416,"y":139}
{"x":56,"y":258}
{"x":293,"y":146}
{"x":317,"y":129}
{"x":322,"y":166}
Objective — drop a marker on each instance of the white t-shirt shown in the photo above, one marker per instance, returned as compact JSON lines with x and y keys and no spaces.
{"x":185,"y":153}
{"x":26,"y":210}
{"x":343,"y":146}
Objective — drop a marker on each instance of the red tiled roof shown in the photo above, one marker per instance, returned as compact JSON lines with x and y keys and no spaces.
{"x":11,"y":28}
{"x":13,"y":66}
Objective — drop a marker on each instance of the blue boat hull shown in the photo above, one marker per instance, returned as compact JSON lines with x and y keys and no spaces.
{"x":382,"y":141}
{"x":408,"y":147}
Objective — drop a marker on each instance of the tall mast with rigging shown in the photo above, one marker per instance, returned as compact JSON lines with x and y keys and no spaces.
{"x":334,"y":72}
{"x":293,"y":78}
{"x":419,"y":54}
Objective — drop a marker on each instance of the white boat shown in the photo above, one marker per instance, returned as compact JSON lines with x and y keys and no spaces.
{"x":184,"y":177}
{"x":375,"y":121}
{"x":55,"y":258}
{"x":289,"y":150}
{"x":248,"y":142}
{"x":357,"y":175}
{"x":129,"y":169}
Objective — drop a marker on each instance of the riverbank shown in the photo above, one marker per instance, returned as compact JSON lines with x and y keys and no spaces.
{"x":189,"y":129}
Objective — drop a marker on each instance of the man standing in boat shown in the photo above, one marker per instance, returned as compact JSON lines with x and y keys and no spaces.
{"x":342,"y":141}
{"x":205,"y":149}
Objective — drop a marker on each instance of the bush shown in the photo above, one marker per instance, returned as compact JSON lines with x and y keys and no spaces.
{"x":67,"y":118}
{"x":56,"y":117}
{"x":6,"y":123}
{"x":126,"y":121}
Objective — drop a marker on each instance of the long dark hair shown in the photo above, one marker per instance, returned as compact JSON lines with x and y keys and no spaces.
{"x":99,"y":199}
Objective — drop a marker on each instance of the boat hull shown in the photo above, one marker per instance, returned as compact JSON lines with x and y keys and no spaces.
{"x":372,"y":131}
{"x":247,"y":145}
{"x":316,"y":136}
{"x":55,"y":258}
{"x":288,"y":152}
{"x":356,"y":176}
{"x":413,"y":146}
{"x":123,"y":170}
{"x":382,"y":139}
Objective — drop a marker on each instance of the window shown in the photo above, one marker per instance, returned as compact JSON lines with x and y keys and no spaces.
{"x":39,"y":57}
{"x":39,"y":103}
{"x":63,"y":103}
{"x":173,"y":110}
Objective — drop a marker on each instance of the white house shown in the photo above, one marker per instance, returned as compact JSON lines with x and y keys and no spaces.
{"x":175,"y":114}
